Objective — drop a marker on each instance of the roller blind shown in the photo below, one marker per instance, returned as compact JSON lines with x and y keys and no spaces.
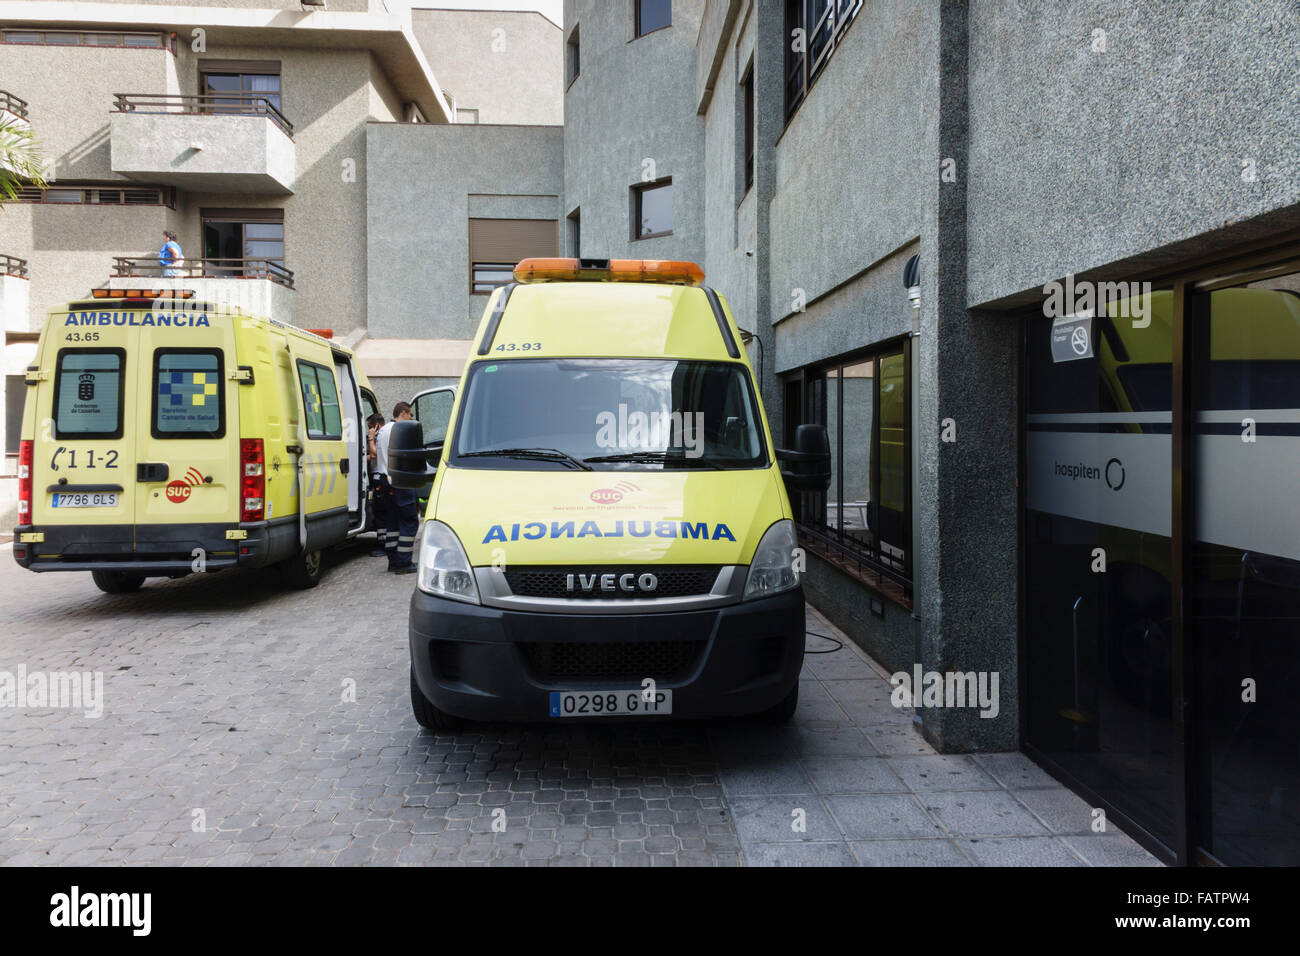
{"x":509,"y":240}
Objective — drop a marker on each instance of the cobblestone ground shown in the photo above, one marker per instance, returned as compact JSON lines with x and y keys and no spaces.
{"x":247,"y":724}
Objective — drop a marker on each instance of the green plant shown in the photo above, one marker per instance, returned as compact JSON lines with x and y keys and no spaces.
{"x":21,"y":160}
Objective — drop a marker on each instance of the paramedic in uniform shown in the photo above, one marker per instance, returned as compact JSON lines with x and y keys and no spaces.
{"x":399,"y":509}
{"x":378,"y":503}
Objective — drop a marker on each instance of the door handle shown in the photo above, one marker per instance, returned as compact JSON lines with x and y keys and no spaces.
{"x":151,"y":471}
{"x":345,"y":465}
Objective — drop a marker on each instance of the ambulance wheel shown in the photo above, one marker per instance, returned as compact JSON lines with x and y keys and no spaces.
{"x":427,"y":715}
{"x":117,"y":582}
{"x":302,"y":571}
{"x":782,"y":713}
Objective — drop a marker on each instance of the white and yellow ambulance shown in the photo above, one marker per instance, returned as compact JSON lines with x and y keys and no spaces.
{"x":608,"y":533}
{"x":163,"y":435}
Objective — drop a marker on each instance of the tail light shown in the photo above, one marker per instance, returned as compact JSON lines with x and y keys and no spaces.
{"x":24,"y":482}
{"x":252,"y":480}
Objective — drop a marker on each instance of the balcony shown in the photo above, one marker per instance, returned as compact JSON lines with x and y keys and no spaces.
{"x":14,"y":287}
{"x":227,"y":142}
{"x":15,"y":105}
{"x":261,"y":287}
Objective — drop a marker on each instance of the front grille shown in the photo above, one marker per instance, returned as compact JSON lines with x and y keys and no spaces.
{"x":683,"y":580}
{"x":611,"y":661}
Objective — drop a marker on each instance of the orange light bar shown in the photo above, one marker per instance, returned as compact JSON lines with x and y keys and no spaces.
{"x":323,"y":333}
{"x":609,"y":270}
{"x":142,"y":293}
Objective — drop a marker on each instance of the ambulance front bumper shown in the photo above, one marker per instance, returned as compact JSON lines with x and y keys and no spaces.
{"x":169,"y":549}
{"x":492,"y":664}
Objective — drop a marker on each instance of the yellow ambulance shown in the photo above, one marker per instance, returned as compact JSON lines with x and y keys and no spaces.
{"x":163,"y":435}
{"x":608,"y":534}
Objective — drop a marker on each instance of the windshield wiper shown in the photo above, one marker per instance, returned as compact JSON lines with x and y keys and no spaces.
{"x":532,"y":454}
{"x":661,"y":457}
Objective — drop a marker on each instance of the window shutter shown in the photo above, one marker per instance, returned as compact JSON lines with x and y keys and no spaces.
{"x":510,"y":240}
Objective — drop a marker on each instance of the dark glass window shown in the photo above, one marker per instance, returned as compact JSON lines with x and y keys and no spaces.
{"x":188,"y":394}
{"x":747,"y":93}
{"x":652,"y":15}
{"x":652,"y":209}
{"x":574,"y":65}
{"x":89,"y":390}
{"x":813,"y":28}
{"x":864,"y":404}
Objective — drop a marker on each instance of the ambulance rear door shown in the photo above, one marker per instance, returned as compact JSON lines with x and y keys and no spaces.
{"x":187,"y":432}
{"x":83,"y":462}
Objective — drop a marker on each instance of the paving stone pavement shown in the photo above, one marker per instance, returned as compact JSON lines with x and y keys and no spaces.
{"x":247,"y":724}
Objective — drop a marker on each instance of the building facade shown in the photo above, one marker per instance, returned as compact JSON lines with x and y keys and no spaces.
{"x":1035,"y":266}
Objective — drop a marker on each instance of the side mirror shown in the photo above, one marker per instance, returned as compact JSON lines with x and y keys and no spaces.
{"x":408,"y":456}
{"x":807,"y":467}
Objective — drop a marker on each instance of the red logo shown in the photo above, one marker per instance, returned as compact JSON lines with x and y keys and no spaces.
{"x":179,"y":490}
{"x":606,"y":496}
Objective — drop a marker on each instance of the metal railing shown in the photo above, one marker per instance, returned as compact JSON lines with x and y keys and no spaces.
{"x":13,"y":266}
{"x":248,"y":268}
{"x":853,"y":546}
{"x":14,"y":104}
{"x":206,"y":104}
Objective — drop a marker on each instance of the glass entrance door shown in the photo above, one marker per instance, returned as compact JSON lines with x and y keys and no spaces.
{"x":1097,"y":641}
{"x":1244,"y":569}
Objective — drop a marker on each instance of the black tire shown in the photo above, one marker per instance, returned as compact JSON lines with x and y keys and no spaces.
{"x":427,"y":715}
{"x":781,"y":713}
{"x":117,"y":582}
{"x":302,"y":571}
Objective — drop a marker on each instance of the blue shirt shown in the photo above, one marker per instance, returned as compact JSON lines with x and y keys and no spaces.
{"x":169,"y":253}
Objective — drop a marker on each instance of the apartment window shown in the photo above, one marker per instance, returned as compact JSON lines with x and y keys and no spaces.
{"x":652,"y":15}
{"x":243,"y":242}
{"x":652,"y":209}
{"x":813,"y":28}
{"x":240,"y":86}
{"x":575,"y":232}
{"x":573,"y":65}
{"x":135,"y":41}
{"x":747,"y":118}
{"x":94,"y":196}
{"x":497,"y":245}
{"x":865,"y":518}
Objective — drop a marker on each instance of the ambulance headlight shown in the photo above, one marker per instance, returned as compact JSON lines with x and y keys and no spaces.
{"x":772,"y":570}
{"x":445,"y":570}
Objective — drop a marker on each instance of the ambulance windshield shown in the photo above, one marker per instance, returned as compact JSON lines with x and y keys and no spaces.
{"x":609,"y":414}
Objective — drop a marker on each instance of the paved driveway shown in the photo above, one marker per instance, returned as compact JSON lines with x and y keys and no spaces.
{"x":246,"y":724}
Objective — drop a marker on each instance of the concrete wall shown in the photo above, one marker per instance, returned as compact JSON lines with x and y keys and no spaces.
{"x":849,"y":171}
{"x":69,"y":91}
{"x":731,"y":247}
{"x":507,"y":65}
{"x":423,"y":182}
{"x":1081,"y":158}
{"x":634,"y":102}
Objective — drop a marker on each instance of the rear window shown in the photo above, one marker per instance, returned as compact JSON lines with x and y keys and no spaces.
{"x":88,"y":391}
{"x":188,"y":394}
{"x":320,"y":401}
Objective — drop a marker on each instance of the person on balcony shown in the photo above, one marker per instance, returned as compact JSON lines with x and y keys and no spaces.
{"x":170,"y":254}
